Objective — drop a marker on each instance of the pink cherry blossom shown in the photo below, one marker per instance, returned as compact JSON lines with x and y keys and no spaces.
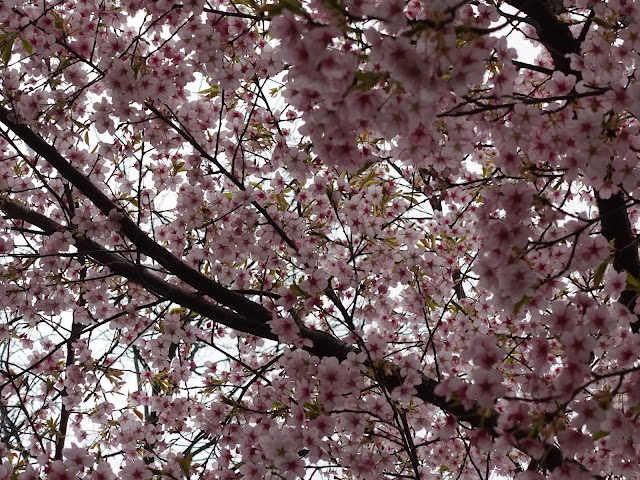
{"x":135,"y":471}
{"x":359,"y":239}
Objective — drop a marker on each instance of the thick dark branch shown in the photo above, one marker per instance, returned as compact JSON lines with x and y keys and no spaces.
{"x":552,"y":32}
{"x":529,"y":66}
{"x":323,"y":344}
{"x":237,"y":14}
{"x":65,"y":413}
{"x":142,"y":275}
{"x":614,"y":217}
{"x":128,"y":227}
{"x":616,"y":227}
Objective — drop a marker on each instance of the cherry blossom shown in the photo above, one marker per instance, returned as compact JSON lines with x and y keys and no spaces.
{"x":361,"y":239}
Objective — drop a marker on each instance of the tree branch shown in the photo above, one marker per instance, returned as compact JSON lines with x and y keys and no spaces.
{"x":128,"y":227}
{"x":614,"y":217}
{"x":141,"y":275}
{"x":616,"y":227}
{"x":323,"y":344}
{"x":552,"y":32}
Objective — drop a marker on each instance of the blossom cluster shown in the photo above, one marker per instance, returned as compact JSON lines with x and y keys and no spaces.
{"x":302,"y":239}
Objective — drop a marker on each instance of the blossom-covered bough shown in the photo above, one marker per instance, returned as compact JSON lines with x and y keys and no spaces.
{"x":302,"y":239}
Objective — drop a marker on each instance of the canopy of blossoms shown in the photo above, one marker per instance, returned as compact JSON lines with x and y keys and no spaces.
{"x":342,"y":239}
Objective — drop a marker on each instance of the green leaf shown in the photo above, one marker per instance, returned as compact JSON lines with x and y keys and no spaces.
{"x":598,"y":274}
{"x":57,"y":20}
{"x":599,"y":435}
{"x":113,"y":375}
{"x":282,"y":203}
{"x":312,"y":410}
{"x":363,"y":168}
{"x":332,"y":5}
{"x":521,"y":303}
{"x":7,"y":47}
{"x":229,"y":401}
{"x":370,"y":178}
{"x":291,"y":5}
{"x":602,"y":23}
{"x":178,"y":167}
{"x":211,"y":92}
{"x":185,"y":464}
{"x":249,"y":3}
{"x":367,"y":80}
{"x":632,"y":283}
{"x":432,"y":304}
{"x":299,"y":292}
{"x":455,"y":306}
{"x":26,"y":44}
{"x":329,"y":192}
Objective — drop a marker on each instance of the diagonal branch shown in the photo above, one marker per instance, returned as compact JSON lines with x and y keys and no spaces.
{"x":141,"y":275}
{"x":553,"y":33}
{"x":128,"y":227}
{"x":323,"y":344}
